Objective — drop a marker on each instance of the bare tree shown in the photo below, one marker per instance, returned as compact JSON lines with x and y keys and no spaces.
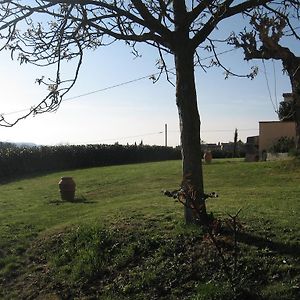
{"x":180,"y":28}
{"x":266,"y":41}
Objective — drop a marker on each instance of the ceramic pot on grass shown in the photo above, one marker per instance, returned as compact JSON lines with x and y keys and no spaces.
{"x":207,"y":157}
{"x":67,"y":188}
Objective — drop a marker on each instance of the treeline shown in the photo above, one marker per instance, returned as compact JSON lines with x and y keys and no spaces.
{"x":21,"y":161}
{"x":225,"y":150}
{"x":227,"y":153}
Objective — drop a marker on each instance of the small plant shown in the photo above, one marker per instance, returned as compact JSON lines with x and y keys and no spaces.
{"x":213,"y":228}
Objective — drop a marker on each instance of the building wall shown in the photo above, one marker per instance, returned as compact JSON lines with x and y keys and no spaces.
{"x":271,"y":132}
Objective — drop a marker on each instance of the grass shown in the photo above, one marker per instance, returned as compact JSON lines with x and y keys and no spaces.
{"x":121,"y":239}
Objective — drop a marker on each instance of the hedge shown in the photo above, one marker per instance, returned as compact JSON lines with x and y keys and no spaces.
{"x":18,"y":162}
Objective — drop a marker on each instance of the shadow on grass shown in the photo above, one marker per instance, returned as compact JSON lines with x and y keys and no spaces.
{"x":81,"y":199}
{"x":261,"y":242}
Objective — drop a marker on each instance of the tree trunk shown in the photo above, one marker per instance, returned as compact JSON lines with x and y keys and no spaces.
{"x":293,"y":69}
{"x":296,"y":96}
{"x":186,"y":100}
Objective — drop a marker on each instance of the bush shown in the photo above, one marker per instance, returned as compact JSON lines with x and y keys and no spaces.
{"x":284,"y":144}
{"x":16,"y":162}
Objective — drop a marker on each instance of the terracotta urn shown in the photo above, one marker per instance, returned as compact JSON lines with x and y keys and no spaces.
{"x":67,"y":188}
{"x":207,"y":157}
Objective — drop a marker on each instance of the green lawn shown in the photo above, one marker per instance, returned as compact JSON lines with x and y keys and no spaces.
{"x":122,"y":239}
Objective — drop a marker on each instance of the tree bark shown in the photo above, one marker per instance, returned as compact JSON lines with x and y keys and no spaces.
{"x":189,"y":120}
{"x":296,"y":97}
{"x":186,"y":100}
{"x":293,"y":68}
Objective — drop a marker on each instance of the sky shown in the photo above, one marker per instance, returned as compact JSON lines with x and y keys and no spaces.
{"x":138,"y":111}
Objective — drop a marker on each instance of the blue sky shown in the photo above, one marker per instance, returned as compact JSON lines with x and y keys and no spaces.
{"x":139,"y":110}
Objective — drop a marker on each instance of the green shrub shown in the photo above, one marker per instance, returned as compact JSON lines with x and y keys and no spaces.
{"x":16,"y":162}
{"x":284,"y":144}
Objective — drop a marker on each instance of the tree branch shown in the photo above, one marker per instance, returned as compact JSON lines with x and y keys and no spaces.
{"x":152,"y":23}
{"x":194,"y":14}
{"x":224,"y":11}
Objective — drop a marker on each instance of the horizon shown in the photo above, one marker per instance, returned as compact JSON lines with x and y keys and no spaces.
{"x":137,"y":142}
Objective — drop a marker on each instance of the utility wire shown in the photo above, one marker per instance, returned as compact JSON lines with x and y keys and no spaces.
{"x":125,"y":137}
{"x":228,"y":130}
{"x":275,"y":85}
{"x":290,"y":30}
{"x":161,"y":132}
{"x":268,"y":85}
{"x":137,"y":79}
{"x":117,"y":85}
{"x":220,"y":130}
{"x":110,"y":87}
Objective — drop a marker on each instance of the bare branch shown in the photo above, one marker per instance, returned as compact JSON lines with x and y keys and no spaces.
{"x":227,"y":71}
{"x":222,"y":12}
{"x":152,"y":23}
{"x":194,"y":14}
{"x":285,"y":17}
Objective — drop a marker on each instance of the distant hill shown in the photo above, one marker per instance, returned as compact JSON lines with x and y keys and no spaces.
{"x":18,"y":145}
{"x":29,"y":145}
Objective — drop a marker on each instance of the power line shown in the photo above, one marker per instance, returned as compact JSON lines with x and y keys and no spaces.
{"x":268,"y":86}
{"x":137,"y":79}
{"x":220,"y":130}
{"x":159,"y":133}
{"x":229,"y":130}
{"x":290,"y":30}
{"x":110,"y":87}
{"x":15,"y":112}
{"x":125,"y":137}
{"x":275,"y":84}
{"x":90,"y":93}
{"x":117,"y":85}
